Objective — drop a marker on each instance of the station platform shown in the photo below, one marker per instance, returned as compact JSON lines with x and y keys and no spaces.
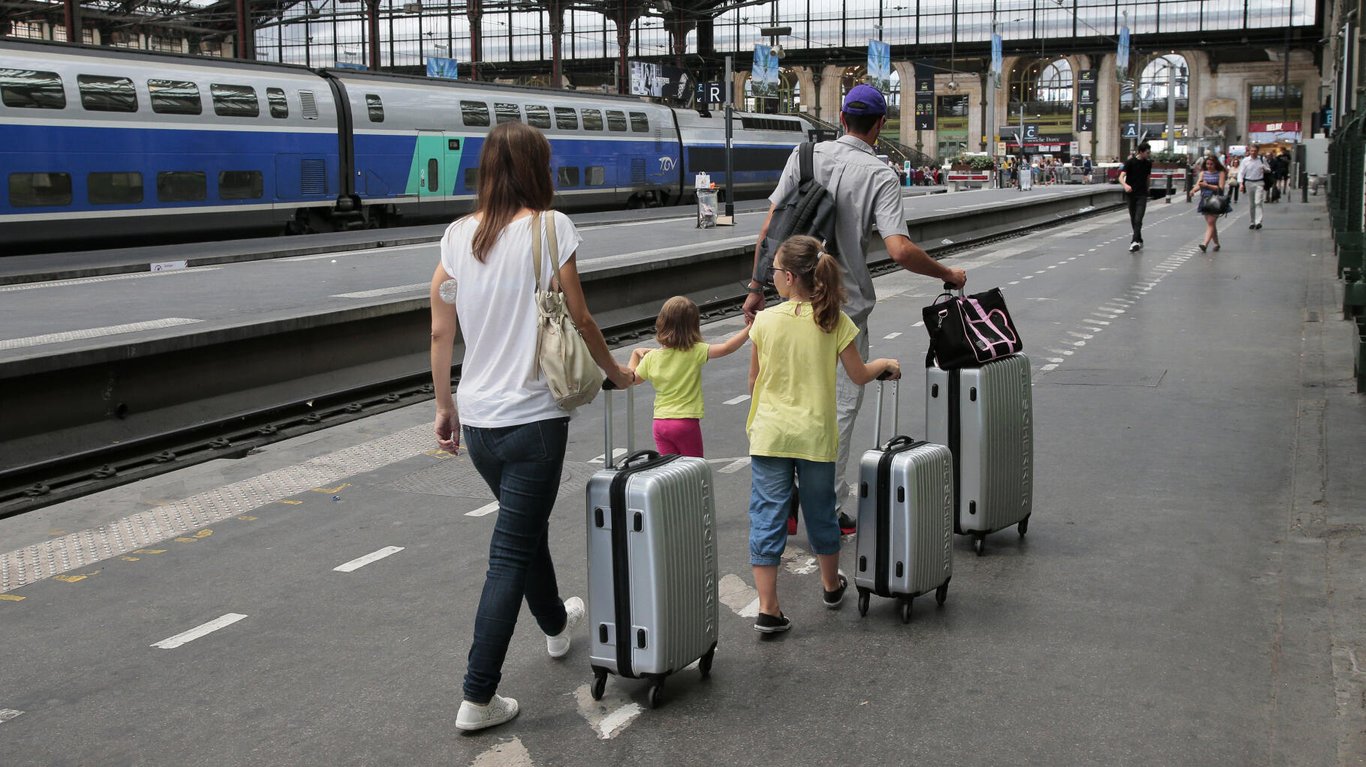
{"x":1189,"y":592}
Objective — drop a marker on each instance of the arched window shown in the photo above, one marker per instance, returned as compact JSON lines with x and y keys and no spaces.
{"x":1044,"y":81}
{"x":1055,"y":82}
{"x":1159,"y":76}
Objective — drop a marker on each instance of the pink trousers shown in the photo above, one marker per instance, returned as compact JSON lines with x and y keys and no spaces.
{"x":681,"y":436}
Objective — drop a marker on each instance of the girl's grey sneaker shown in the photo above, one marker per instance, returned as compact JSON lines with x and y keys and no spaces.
{"x":772,"y":624}
{"x":558,"y":644}
{"x":473,"y":716}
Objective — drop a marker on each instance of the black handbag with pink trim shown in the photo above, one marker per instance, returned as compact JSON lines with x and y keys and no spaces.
{"x":969,"y":331}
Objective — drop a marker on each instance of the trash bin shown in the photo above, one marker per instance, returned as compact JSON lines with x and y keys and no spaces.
{"x":706,"y":208}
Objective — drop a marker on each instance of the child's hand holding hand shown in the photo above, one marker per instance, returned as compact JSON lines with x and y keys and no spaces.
{"x":891,"y":369}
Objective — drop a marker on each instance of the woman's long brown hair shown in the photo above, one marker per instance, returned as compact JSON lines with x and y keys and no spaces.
{"x":514,"y":173}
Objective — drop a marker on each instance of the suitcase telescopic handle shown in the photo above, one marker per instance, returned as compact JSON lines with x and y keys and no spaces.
{"x":896,"y":409}
{"x":608,"y":387}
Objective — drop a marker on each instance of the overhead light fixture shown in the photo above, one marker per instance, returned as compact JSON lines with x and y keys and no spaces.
{"x":778,"y":51}
{"x":775,"y":31}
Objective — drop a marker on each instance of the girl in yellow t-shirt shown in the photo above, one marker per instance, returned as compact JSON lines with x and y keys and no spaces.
{"x":792,"y":425}
{"x":676,"y":373}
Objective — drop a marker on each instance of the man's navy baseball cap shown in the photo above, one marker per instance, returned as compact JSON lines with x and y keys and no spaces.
{"x":864,"y":100}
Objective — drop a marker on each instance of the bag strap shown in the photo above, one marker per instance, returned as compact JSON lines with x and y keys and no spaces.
{"x":536,"y":248}
{"x":553,"y":246}
{"x":807,"y":157}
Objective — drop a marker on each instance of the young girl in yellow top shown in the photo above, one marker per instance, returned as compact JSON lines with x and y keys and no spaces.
{"x":676,"y":373}
{"x":792,"y":424}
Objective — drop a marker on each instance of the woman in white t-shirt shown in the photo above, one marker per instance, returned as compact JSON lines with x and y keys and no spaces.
{"x":515,"y":432}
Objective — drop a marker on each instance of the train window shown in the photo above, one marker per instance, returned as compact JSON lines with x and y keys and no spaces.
{"x":433,"y":175}
{"x":597,"y":175}
{"x":309,"y":105}
{"x":592,"y":119}
{"x":28,"y":89}
{"x":182,"y":186}
{"x":640,"y":123}
{"x":507,"y":113}
{"x":375,"y":106}
{"x":279,"y":105}
{"x":616,"y":120}
{"x":566,"y":118}
{"x":175,"y":97}
{"x":475,"y":113}
{"x":567,"y":176}
{"x":34,"y":190}
{"x":114,"y":188}
{"x":107,"y":94}
{"x":537,"y":116}
{"x":240,"y":185}
{"x":234,"y":101}
{"x":472,"y":179}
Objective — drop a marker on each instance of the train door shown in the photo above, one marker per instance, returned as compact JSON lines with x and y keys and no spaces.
{"x":430,"y":160}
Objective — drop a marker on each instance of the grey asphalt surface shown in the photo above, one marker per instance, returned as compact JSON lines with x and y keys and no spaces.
{"x":1190,"y":591}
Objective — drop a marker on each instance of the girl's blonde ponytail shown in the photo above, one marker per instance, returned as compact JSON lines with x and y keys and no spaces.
{"x":827,"y":291}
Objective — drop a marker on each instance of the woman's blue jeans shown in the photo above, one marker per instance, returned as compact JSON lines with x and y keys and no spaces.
{"x":521,"y":465}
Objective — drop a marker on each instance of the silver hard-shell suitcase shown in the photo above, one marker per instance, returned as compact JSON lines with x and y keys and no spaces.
{"x":652,"y":572}
{"x":905,"y":518}
{"x":986,"y":417}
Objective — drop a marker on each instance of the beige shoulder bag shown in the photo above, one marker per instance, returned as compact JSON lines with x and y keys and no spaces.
{"x":562,"y":356}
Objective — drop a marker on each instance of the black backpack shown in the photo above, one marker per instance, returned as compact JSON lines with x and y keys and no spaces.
{"x":811,"y":213}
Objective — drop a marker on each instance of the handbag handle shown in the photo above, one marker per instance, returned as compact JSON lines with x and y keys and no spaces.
{"x":551,"y":243}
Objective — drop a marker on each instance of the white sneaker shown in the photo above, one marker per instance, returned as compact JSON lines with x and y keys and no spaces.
{"x":558,"y":644}
{"x":1135,"y":246}
{"x":473,"y":716}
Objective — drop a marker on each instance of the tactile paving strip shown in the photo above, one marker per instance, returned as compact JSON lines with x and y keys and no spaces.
{"x":70,"y":552}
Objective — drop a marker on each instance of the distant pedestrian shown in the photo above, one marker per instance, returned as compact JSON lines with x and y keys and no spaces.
{"x":515,"y":431}
{"x":793,"y":418}
{"x":1026,"y":177}
{"x":1234,"y":164}
{"x":1209,"y":186}
{"x":1134,"y":178}
{"x":1255,"y":171}
{"x":675,"y":371}
{"x":1086,"y":170}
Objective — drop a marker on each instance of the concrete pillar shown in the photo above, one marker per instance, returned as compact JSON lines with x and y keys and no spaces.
{"x":906,"y":71}
{"x":1108,"y":118}
{"x":806,"y":82}
{"x":737,"y":82}
{"x":831,"y":94}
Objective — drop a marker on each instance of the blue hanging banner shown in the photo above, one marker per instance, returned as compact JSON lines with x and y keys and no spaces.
{"x":1122,"y":55}
{"x":996,"y":60}
{"x":880,"y":65}
{"x":763,"y":78}
{"x":445,"y":69}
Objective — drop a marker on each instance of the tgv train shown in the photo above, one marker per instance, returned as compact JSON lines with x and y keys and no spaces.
{"x":102,"y":146}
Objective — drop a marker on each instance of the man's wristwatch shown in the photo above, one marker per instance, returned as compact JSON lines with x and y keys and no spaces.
{"x":754,"y":288}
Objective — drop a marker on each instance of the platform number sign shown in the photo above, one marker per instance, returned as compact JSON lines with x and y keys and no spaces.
{"x":711,"y":93}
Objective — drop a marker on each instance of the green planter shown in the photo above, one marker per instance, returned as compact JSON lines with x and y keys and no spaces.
{"x":1360,"y":355}
{"x":1350,"y":246}
{"x":1353,"y":299}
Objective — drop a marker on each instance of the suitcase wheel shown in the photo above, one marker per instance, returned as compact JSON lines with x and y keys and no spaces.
{"x":704,"y":664}
{"x":905,"y":611}
{"x":941,"y":593}
{"x":1023,"y":527}
{"x":656,"y":694}
{"x":979,"y":544}
{"x":862,"y":602}
{"x":599,"y":684}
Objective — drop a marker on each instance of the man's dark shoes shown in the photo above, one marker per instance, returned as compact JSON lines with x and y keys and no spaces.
{"x":772,"y":624}
{"x":833,"y":599}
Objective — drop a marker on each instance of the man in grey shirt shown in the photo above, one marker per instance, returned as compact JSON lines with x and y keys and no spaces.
{"x":866,"y":195}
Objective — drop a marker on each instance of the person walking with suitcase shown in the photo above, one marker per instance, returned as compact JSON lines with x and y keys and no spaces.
{"x":1254,"y":171}
{"x":1134,"y":178}
{"x":793,"y":422}
{"x":676,"y":373}
{"x":515,"y":432}
{"x":866,"y":195}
